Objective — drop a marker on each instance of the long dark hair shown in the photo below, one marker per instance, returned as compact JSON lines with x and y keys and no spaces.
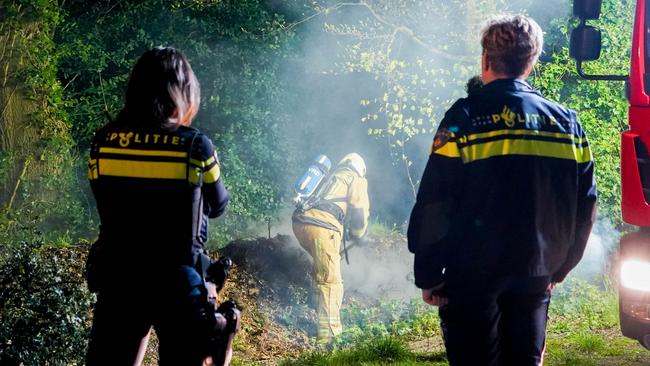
{"x":162,"y":91}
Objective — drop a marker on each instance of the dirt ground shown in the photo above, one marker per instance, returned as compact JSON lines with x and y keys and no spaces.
{"x":271,"y":282}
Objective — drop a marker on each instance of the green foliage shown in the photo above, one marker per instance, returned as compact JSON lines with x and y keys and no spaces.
{"x":235,"y":49}
{"x":44,"y":305}
{"x":582,"y":330}
{"x":589,"y":343}
{"x":388,"y":318}
{"x":420,"y":66}
{"x":601,"y":105}
{"x":40,"y":184}
{"x":376,"y":351}
{"x":390,"y":233}
{"x":419,"y":76}
{"x":580,"y":307}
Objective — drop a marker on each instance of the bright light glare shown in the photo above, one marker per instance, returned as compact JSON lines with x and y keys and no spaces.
{"x":635,"y":275}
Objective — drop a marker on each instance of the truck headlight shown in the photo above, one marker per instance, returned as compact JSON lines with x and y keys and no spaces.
{"x":635,"y":275}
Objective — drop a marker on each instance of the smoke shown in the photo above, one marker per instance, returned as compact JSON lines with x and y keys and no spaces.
{"x":376,"y":77}
{"x":359,"y":62}
{"x":280,"y":226}
{"x":602,"y":245}
{"x":383,"y":268}
{"x":353,"y":66}
{"x":385,"y":274}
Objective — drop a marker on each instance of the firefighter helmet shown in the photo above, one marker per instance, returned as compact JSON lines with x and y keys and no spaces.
{"x":355,"y":162}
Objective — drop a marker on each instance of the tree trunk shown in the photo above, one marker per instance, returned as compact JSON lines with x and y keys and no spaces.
{"x":19,"y":135}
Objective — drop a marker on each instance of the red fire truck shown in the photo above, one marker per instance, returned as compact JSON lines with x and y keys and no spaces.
{"x":634,"y":281}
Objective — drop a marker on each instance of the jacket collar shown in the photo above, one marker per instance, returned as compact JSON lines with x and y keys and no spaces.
{"x":509,"y":85}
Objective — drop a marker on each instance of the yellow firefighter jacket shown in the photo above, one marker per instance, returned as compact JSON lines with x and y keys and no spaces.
{"x":345,"y":202}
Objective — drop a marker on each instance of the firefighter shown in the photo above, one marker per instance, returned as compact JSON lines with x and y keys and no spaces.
{"x":343,"y":206}
{"x":505,"y":206}
{"x":154,"y":179}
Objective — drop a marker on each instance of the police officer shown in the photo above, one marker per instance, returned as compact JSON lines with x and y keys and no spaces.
{"x":342,"y":206}
{"x":154,"y":179}
{"x":505,"y":206}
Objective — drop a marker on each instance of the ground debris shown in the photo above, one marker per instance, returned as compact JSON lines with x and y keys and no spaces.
{"x":270,"y":281}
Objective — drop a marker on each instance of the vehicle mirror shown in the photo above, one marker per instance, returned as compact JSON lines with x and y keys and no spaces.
{"x":585,"y":43}
{"x":587,"y":9}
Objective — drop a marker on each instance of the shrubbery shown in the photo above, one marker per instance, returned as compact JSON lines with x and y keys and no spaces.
{"x":601,"y":106}
{"x":44,"y":305}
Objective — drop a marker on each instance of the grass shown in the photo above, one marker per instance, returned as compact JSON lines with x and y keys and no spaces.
{"x":378,"y":351}
{"x":381,"y":230}
{"x":582,"y":331}
{"x":406,"y":320}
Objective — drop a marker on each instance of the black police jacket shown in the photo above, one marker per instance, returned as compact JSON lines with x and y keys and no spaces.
{"x":153,"y":188}
{"x":508,"y":189}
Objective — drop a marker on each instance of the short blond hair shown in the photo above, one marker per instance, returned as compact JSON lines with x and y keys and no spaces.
{"x":511,"y":44}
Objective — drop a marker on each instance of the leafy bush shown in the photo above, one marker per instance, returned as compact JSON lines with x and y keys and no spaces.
{"x":44,"y":305}
{"x":39,"y":185}
{"x":601,"y":105}
{"x":236,"y":49}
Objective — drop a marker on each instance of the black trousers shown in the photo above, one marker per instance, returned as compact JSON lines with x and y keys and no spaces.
{"x":125,"y":312}
{"x":496,"y":321}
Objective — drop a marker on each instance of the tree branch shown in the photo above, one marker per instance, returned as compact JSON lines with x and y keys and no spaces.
{"x":404,"y":29}
{"x":18,"y":181}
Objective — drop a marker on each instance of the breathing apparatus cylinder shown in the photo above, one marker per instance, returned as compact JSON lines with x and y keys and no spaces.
{"x":307,"y":185}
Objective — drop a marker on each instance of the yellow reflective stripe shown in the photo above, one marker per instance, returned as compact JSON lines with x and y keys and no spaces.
{"x":526,"y":147}
{"x":142,"y":169}
{"x":212,"y":175}
{"x":203,"y":164}
{"x":558,"y":135}
{"x":194,"y":175}
{"x":92,"y":169}
{"x":449,"y":150}
{"x":165,"y":153}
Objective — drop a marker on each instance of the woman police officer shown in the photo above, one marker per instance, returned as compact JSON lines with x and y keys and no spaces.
{"x":154,"y":179}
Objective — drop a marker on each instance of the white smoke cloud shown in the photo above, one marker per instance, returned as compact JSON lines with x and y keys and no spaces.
{"x":602,"y":244}
{"x":380,"y":274}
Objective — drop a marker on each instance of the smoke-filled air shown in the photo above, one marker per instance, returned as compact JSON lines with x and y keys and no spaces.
{"x":267,"y":182}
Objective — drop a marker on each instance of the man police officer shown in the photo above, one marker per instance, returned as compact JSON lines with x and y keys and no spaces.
{"x":505,"y":206}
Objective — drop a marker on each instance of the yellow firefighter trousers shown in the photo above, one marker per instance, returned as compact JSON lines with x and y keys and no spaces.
{"x":324,"y":246}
